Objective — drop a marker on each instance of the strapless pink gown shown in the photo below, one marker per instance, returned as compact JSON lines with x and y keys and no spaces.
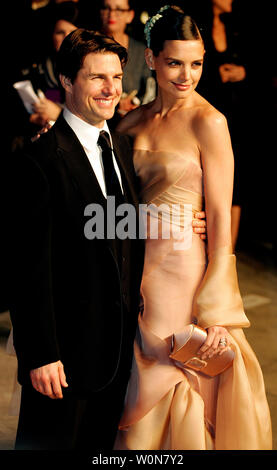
{"x":168,"y":407}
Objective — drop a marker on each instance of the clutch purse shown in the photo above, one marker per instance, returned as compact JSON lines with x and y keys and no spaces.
{"x":184,"y":348}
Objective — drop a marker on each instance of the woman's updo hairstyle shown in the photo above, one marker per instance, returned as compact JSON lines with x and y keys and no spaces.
{"x":170,"y":23}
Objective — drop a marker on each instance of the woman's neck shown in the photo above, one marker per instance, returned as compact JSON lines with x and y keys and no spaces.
{"x":122,"y":39}
{"x":166,"y":103}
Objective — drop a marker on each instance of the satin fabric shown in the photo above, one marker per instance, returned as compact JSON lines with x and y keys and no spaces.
{"x":180,"y":409}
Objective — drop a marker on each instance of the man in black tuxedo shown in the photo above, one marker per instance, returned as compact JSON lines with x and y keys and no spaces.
{"x":74,"y":300}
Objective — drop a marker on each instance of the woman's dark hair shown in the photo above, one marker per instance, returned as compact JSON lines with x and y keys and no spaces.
{"x":173,"y":25}
{"x":68,"y":11}
{"x":81,"y":42}
{"x":131,"y":4}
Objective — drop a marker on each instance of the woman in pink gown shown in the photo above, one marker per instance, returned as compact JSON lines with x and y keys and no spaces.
{"x":183,"y":157}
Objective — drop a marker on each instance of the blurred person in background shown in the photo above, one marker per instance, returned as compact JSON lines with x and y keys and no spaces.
{"x":226,"y":84}
{"x":61,"y":20}
{"x":115,"y":17}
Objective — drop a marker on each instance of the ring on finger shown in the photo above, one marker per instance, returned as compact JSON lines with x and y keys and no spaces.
{"x":222,"y":342}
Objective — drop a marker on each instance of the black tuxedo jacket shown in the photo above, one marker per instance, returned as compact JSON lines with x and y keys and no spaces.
{"x":70,"y":297}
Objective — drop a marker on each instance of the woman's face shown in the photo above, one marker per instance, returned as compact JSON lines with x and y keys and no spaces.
{"x":61,"y":30}
{"x":224,"y":6}
{"x":115,"y":15}
{"x":179,"y":67}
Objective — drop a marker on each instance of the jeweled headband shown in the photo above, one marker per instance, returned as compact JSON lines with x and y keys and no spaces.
{"x":150,"y":23}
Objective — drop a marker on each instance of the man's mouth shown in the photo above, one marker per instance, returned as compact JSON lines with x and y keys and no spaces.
{"x":104,"y":101}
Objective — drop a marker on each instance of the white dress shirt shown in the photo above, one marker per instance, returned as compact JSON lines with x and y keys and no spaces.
{"x":88,"y":137}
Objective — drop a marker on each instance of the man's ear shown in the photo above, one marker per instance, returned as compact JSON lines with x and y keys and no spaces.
{"x":149,"y":58}
{"x":66,"y":83}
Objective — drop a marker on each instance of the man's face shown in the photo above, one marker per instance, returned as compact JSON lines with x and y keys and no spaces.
{"x":97,"y":88}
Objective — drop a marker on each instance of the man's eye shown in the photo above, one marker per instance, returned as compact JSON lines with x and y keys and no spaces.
{"x":197,"y":64}
{"x":174,"y":63}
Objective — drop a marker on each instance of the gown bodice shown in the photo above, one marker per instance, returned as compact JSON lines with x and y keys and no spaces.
{"x":170,"y":178}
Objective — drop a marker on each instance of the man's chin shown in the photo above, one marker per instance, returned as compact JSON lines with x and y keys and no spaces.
{"x":107,"y":113}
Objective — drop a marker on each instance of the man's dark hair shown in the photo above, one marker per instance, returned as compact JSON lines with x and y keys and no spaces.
{"x":81,"y":42}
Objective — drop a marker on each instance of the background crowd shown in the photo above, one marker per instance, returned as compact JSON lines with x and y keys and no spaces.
{"x":239,"y":78}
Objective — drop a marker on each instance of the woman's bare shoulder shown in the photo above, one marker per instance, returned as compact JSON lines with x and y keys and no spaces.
{"x":130,"y":122}
{"x":211,"y":131}
{"x":208,"y":115}
{"x":208,"y":121}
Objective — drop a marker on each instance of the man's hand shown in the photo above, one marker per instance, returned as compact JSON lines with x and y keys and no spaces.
{"x":49,"y":379}
{"x":199,"y":226}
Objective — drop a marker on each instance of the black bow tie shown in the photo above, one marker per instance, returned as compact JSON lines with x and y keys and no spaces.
{"x":113,"y":187}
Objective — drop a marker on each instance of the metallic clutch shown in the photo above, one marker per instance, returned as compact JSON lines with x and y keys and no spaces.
{"x":187,"y":343}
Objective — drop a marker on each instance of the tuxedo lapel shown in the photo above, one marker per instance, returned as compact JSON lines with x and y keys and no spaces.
{"x":77,"y":163}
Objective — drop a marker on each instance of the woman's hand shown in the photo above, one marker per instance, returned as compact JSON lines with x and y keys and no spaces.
{"x":126,"y":105}
{"x":43,"y":130}
{"x":217,"y":342}
{"x":232,"y":73}
{"x":38,"y":119}
{"x":47,"y":108}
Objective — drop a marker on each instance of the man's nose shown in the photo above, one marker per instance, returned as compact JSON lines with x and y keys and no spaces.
{"x":109,"y":87}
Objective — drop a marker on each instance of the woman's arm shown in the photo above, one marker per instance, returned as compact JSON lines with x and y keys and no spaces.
{"x":218,"y":170}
